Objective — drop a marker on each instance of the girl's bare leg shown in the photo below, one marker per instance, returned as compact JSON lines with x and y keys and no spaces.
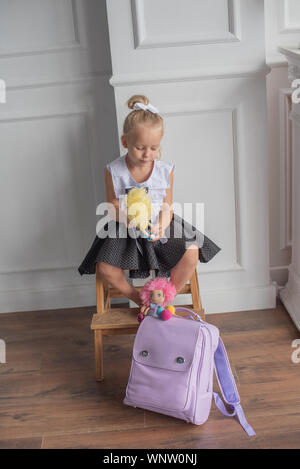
{"x":116,"y":277}
{"x":183,"y":270}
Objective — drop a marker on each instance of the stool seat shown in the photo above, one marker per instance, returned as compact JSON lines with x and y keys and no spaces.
{"x":116,"y":318}
{"x":122,"y":318}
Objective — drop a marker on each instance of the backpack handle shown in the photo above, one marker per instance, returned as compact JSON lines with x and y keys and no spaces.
{"x":181,"y":308}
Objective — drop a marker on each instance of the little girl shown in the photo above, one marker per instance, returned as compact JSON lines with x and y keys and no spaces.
{"x":169,"y":255}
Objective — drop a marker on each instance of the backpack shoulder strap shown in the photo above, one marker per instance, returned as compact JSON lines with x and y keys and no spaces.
{"x":225,"y":380}
{"x":228,"y":389}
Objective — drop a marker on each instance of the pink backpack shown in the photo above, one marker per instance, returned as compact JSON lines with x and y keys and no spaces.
{"x":172,"y":370}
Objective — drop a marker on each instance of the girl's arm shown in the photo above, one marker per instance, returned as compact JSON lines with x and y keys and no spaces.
{"x":166,"y":212}
{"x":116,"y":214}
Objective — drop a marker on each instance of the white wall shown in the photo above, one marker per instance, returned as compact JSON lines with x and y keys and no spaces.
{"x":282,"y":19}
{"x":204,"y":68}
{"x":202,"y":63}
{"x":57,"y":131}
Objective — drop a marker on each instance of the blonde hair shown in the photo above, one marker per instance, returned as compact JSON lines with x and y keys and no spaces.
{"x":139,"y":116}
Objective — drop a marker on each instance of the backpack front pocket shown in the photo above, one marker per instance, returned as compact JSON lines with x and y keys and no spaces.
{"x":162,"y":365}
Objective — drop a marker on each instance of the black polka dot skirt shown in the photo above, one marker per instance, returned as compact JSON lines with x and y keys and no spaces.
{"x":126,"y":249}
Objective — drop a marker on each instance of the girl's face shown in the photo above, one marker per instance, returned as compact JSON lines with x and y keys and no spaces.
{"x":143,"y":144}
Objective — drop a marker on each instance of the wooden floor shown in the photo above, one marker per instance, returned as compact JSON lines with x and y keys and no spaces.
{"x":49,"y":397}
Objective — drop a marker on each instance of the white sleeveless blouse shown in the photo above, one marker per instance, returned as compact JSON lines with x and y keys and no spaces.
{"x":157,"y":183}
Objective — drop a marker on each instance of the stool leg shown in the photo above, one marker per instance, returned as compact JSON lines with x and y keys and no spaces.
{"x":197,"y":304}
{"x":107,"y":304}
{"x":99,"y":292}
{"x":98,"y":355}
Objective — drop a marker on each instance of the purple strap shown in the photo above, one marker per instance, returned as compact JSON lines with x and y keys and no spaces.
{"x":226,"y":382}
{"x":228,"y":389}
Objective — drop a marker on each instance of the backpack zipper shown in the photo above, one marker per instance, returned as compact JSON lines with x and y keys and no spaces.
{"x":200,"y":365}
{"x":203,"y":326}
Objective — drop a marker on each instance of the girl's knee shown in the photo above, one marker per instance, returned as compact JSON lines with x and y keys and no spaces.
{"x":100,"y":267}
{"x":192,"y":253}
{"x":106,"y":269}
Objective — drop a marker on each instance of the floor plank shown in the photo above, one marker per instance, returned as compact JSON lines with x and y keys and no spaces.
{"x":49,"y":397}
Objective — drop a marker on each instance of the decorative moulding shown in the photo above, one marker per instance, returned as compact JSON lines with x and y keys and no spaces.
{"x":86,"y":118}
{"x":189,"y":75}
{"x":285,"y":106}
{"x":74,"y":43}
{"x":142,"y":40}
{"x":292,"y":54}
{"x":285,"y":27}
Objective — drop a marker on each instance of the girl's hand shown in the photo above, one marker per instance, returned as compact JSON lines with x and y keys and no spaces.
{"x":130,"y":224}
{"x":157,"y":231}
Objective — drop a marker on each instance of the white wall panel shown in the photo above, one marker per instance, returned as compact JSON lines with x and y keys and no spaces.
{"x":282,"y":18}
{"x":52,"y":26}
{"x":57,"y":130}
{"x":286,"y":167}
{"x":213,"y":160}
{"x":187,"y":22}
{"x":45,"y":234}
{"x":248,"y":52}
{"x":290,"y":294}
{"x":203,"y":66}
{"x":282,"y":28}
{"x":46,"y":41}
{"x":290,"y":16}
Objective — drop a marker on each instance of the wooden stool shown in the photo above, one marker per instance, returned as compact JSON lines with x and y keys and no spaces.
{"x":113,"y":321}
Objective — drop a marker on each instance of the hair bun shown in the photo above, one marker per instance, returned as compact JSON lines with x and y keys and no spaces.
{"x":137,"y":98}
{"x":136,"y":118}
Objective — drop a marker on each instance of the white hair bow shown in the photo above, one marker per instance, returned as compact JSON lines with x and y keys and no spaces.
{"x":145,"y":107}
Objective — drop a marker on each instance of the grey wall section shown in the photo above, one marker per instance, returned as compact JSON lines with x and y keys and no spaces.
{"x":58,"y":130}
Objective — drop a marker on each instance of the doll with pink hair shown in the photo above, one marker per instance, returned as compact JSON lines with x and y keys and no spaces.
{"x":157,"y":295}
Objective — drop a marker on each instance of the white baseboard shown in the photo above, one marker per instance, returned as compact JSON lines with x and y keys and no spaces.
{"x":290,"y":297}
{"x":56,"y":298}
{"x":237,"y":299}
{"x":279,"y":274}
{"x":73,"y":296}
{"x":214,"y":301}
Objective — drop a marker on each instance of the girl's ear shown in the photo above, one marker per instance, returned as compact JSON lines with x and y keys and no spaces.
{"x":124,"y":141}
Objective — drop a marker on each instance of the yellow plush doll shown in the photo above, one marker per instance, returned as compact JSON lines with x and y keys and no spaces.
{"x":138,"y":204}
